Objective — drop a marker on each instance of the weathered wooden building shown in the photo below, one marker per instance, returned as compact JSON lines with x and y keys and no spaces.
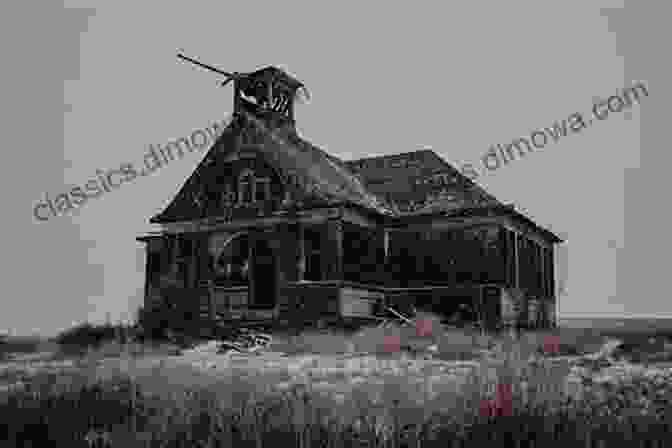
{"x":271,"y":227}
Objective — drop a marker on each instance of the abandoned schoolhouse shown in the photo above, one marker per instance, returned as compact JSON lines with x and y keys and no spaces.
{"x":270,"y":227}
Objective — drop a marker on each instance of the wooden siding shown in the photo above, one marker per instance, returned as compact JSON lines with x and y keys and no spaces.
{"x":359,"y":302}
{"x":315,"y":216}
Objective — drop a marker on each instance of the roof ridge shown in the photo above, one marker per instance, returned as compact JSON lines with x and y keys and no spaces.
{"x":391,"y":155}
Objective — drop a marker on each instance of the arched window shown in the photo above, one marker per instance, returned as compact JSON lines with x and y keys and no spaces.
{"x":233,"y":262}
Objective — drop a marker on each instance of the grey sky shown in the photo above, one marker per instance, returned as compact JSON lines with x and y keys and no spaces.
{"x":91,"y":88}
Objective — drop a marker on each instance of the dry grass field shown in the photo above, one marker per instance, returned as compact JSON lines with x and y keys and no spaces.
{"x":377,"y":387}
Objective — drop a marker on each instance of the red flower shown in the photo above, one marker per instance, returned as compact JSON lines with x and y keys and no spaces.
{"x":552,"y":344}
{"x":423,"y":327}
{"x":487,"y":408}
{"x":392,"y":343}
{"x":504,"y":399}
{"x":501,"y":406}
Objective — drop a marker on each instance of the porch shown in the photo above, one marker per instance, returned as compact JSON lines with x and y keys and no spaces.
{"x":333,"y":265}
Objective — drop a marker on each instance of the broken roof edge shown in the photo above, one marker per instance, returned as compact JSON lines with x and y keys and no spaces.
{"x":388,"y":156}
{"x":400,"y":219}
{"x":353,"y":190}
{"x":232,"y":121}
{"x":468,"y":181}
{"x":148,"y":236}
{"x":281,"y":73}
{"x":499,"y":209}
{"x":359,"y":196}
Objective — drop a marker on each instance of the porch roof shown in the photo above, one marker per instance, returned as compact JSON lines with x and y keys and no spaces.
{"x":478,"y":211}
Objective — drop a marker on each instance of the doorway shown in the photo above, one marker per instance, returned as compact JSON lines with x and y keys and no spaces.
{"x":264,"y":279}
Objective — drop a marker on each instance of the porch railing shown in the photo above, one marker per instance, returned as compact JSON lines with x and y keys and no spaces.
{"x":230,"y":303}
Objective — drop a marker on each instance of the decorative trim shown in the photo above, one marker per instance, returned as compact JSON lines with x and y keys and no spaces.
{"x":221,"y":224}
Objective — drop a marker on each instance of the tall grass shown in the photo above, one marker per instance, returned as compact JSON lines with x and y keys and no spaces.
{"x":507,"y":400}
{"x":118,"y":411}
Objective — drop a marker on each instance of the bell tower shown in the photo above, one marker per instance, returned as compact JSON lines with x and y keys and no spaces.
{"x":269,"y":94}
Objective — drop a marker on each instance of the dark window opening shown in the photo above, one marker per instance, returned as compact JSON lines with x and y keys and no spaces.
{"x":253,"y":189}
{"x":245,"y":192}
{"x":232,"y":265}
{"x":262,"y":190}
{"x":312,"y":254}
{"x":245,"y":185}
{"x":228,"y":197}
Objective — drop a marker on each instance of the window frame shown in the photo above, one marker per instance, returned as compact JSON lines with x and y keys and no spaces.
{"x":224,"y":272}
{"x":265,"y":184}
{"x":245,"y":185}
{"x":250,"y":185}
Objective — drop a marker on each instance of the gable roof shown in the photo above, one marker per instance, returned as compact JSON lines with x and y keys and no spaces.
{"x":312,"y":176}
{"x":401,"y":185}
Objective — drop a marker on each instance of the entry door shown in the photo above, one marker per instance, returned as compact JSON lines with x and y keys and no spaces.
{"x":264,"y":275}
{"x":492,"y":306}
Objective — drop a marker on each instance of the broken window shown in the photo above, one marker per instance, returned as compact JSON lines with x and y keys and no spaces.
{"x":359,"y":254}
{"x":232,"y":264}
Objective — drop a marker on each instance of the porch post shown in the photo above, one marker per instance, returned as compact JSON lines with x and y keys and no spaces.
{"x":551,"y":283}
{"x":301,"y":262}
{"x":332,"y":263}
{"x":520,"y":299}
{"x":193,"y":262}
{"x":542,"y":271}
{"x":212,"y":314}
{"x":542,"y":284}
{"x":252,"y":241}
{"x":382,"y":249}
{"x":339,"y":250}
{"x":175,"y":256}
{"x":516,"y":263}
{"x":507,"y":252}
{"x":148,"y":270}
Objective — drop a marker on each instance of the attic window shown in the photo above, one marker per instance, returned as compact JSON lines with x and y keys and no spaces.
{"x":245,"y":185}
{"x":228,"y":197}
{"x":253,"y":189}
{"x":262,"y":189}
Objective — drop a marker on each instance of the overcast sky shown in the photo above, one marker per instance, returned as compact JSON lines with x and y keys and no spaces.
{"x":89,"y":86}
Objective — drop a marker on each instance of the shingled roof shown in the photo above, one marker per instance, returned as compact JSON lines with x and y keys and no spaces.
{"x":420,"y":182}
{"x":313,"y":177}
{"x":401,"y":185}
